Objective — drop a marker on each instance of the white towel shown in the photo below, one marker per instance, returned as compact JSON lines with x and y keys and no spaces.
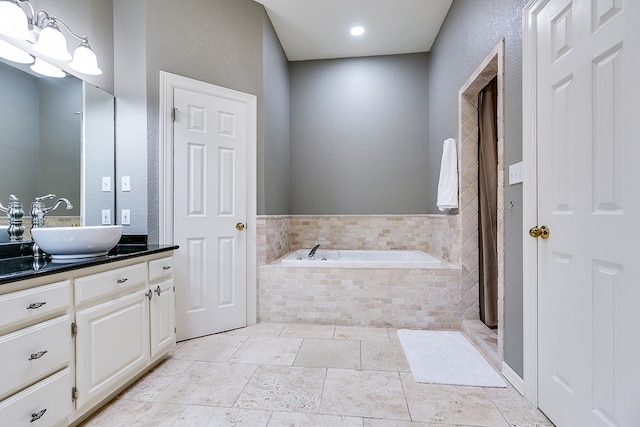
{"x":448,"y":184}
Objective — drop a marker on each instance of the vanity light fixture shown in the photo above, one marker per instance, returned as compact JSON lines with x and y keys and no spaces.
{"x":43,"y":31}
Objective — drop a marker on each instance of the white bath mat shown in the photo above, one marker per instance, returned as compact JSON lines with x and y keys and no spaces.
{"x":446,"y":357}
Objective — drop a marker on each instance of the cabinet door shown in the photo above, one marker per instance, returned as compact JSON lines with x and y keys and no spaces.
{"x":112,"y":345}
{"x":162,"y":317}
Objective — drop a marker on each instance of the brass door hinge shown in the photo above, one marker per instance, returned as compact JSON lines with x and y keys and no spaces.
{"x":74,"y":394}
{"x":74,"y":329}
{"x":173,"y":114}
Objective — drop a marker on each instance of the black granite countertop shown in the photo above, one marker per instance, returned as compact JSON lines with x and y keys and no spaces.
{"x":27,"y":267}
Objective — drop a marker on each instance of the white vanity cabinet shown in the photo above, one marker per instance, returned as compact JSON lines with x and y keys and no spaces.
{"x":36,"y":355}
{"x":70,"y":341}
{"x":125,"y":320}
{"x":112,"y":334}
{"x":163,"y":313}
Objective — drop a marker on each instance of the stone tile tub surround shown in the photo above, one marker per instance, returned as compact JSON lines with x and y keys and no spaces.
{"x":418,"y":298}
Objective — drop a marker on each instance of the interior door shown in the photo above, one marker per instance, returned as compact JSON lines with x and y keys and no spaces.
{"x":588,"y":176}
{"x":210,"y":212}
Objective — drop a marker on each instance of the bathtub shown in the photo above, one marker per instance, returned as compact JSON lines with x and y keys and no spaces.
{"x":361,"y":258}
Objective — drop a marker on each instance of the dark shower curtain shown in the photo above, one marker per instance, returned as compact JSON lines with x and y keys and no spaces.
{"x":488,"y":203}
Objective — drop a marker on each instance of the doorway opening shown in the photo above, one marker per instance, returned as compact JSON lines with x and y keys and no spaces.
{"x":490,"y":341}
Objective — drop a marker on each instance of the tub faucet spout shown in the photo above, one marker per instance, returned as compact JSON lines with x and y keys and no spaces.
{"x":312,"y":253}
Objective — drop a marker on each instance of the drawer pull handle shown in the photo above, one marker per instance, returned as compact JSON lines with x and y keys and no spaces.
{"x":37,"y":415}
{"x":38,"y":355}
{"x":121,"y":281}
{"x":166,"y":267}
{"x":35,"y":305}
{"x":150,"y":294}
{"x":158,"y":290}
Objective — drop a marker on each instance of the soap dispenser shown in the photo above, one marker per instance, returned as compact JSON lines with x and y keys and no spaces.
{"x":14,"y":213}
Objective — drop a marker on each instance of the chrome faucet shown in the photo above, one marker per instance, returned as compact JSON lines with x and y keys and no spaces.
{"x":312,"y":253}
{"x":38,"y":210}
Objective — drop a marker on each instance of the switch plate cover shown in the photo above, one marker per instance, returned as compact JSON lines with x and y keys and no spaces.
{"x":106,"y":183}
{"x":126,"y":183}
{"x":126,"y":217}
{"x":106,"y":216}
{"x":515,"y":173}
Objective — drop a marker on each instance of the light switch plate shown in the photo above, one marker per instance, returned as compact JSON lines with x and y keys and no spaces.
{"x":126,"y":183}
{"x":515,"y":173}
{"x":106,"y":216}
{"x":126,"y":217}
{"x":106,"y":183}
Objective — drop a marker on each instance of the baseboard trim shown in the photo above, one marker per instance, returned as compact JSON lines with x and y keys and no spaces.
{"x":516,"y":381}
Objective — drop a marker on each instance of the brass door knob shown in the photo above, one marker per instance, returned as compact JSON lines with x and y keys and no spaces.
{"x":239,"y":226}
{"x":542,"y":232}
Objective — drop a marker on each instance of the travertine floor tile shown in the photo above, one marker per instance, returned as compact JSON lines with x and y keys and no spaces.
{"x":283,"y":388}
{"x":393,"y":423}
{"x":361,"y":333}
{"x":323,"y":353}
{"x":296,"y":419}
{"x":212,"y":348}
{"x":516,"y":410}
{"x":208,"y":383}
{"x":258,"y":330}
{"x":268,"y":350}
{"x":254,"y":384}
{"x":364,"y":393}
{"x":450,"y":404}
{"x":384,"y":356}
{"x":303,"y":330}
{"x":121,"y":412}
{"x":157,"y":380}
{"x":206,"y":416}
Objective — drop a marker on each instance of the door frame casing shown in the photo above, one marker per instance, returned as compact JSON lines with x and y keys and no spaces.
{"x":169,"y":82}
{"x":529,"y":198}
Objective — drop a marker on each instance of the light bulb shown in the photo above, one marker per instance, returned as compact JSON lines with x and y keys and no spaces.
{"x":46,"y":69}
{"x":14,"y":53}
{"x":52,"y":44}
{"x":13,"y":21}
{"x":85,"y":61}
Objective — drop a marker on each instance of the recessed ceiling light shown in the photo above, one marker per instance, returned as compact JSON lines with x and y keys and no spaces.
{"x":357,"y":31}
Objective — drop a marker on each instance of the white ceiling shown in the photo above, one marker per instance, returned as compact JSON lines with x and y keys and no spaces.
{"x":319,"y":29}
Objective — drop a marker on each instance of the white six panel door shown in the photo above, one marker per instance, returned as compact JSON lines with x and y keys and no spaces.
{"x":589,"y":196}
{"x":210,"y":144}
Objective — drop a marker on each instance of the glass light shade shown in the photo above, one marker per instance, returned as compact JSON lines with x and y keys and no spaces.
{"x":14,"y":53}
{"x":52,"y":44}
{"x":13,"y":21}
{"x":46,"y":69}
{"x":85,"y":61}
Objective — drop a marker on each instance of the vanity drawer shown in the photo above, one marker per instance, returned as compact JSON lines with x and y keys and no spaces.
{"x":160,"y":267}
{"x":34,"y":352}
{"x":33,"y":303}
{"x":94,"y":286}
{"x":47,"y":403}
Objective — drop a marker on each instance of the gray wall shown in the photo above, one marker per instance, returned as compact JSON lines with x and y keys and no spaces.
{"x":20,"y":134}
{"x":218,"y":42}
{"x":274,"y":173}
{"x":99,"y":153}
{"x":60,"y":141}
{"x":359,"y":130}
{"x":471,"y":30}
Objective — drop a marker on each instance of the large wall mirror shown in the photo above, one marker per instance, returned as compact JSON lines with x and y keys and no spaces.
{"x":56,"y":137}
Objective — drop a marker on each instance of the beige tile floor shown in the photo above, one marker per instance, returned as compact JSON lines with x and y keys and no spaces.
{"x":304,"y":375}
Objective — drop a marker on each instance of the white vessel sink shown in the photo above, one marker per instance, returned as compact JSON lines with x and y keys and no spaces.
{"x":77,"y":242}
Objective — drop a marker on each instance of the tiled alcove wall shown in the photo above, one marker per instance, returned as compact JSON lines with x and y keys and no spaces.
{"x":437,"y":234}
{"x":288,"y":296}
